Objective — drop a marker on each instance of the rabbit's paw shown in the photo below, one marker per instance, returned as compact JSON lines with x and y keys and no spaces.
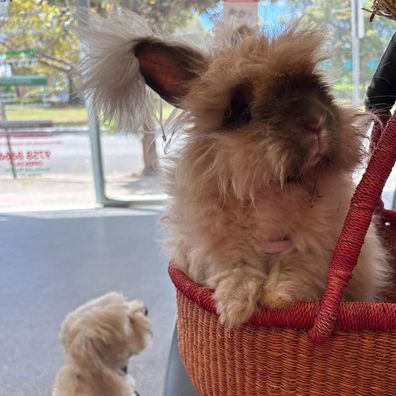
{"x":278,"y":296}
{"x":237,"y":294}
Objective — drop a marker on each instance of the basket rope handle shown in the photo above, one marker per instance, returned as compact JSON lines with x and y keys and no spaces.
{"x":378,"y":127}
{"x":350,"y":242}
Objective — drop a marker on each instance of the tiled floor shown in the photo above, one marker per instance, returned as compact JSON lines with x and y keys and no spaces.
{"x":52,"y":262}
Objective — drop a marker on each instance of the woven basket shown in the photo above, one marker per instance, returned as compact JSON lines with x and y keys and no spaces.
{"x":314,"y":348}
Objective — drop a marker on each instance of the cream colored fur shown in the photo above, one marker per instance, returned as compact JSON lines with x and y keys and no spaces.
{"x":99,"y":338}
{"x":235,"y":188}
{"x":220,"y":246}
{"x":113,"y":71}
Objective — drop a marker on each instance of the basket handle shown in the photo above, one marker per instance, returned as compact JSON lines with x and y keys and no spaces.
{"x":378,"y":127}
{"x":350,"y":241}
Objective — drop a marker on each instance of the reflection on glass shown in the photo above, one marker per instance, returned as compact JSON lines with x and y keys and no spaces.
{"x":39,"y":49}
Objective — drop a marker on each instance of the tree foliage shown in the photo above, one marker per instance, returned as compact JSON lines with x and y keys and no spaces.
{"x":168,"y":15}
{"x":48,"y":29}
{"x":334,"y":17}
{"x":48,"y":26}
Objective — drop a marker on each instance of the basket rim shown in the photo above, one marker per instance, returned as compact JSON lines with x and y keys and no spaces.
{"x":353,"y":316}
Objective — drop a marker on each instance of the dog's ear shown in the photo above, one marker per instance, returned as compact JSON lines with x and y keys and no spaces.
{"x":140,"y":325}
{"x":88,"y":353}
{"x":169,"y":68}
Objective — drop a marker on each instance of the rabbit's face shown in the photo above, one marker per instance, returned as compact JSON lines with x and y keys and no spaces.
{"x":260,"y":111}
{"x":268,"y":114}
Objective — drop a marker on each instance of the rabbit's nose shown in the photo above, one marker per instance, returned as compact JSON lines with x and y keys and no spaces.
{"x":314,"y":128}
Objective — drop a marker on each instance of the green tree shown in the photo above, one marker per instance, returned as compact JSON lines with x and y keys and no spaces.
{"x":335,"y":17}
{"x":168,"y":15}
{"x":47,"y":28}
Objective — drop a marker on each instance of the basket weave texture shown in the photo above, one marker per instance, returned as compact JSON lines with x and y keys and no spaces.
{"x":258,"y":360}
{"x":273,"y":354}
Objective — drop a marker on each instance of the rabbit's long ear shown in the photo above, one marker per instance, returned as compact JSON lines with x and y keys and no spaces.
{"x":123,"y":57}
{"x":168,"y":68}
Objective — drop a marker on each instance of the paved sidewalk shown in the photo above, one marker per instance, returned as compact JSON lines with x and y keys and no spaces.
{"x":68,"y":181}
{"x":69,"y":191}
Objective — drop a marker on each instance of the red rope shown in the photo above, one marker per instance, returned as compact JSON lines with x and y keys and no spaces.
{"x":353,"y":316}
{"x":378,"y":127}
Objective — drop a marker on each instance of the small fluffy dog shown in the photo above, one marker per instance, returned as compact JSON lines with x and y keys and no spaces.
{"x":261,"y":187}
{"x":99,"y":338}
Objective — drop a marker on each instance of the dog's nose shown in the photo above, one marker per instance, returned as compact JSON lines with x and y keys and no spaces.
{"x":145,"y":310}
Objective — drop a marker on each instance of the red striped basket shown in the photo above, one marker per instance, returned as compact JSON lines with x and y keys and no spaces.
{"x":314,"y":348}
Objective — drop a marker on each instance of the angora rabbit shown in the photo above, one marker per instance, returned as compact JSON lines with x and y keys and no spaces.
{"x":261,"y":187}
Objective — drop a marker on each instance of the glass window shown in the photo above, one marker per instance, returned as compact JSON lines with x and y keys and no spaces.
{"x":45,"y":152}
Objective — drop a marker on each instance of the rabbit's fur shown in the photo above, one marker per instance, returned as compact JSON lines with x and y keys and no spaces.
{"x":261,"y":187}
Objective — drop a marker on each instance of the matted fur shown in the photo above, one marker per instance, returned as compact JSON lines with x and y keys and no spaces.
{"x":284,"y":175}
{"x":99,"y":338}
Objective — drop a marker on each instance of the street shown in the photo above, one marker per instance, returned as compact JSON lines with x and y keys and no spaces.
{"x":55,"y":172}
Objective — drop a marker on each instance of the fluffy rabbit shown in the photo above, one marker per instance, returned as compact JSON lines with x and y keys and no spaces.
{"x":260,"y":189}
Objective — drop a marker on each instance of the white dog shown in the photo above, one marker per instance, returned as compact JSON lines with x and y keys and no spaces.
{"x":99,"y":338}
{"x":261,"y":188}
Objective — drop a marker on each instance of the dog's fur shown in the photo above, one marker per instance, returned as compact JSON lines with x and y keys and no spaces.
{"x":244,"y":183}
{"x":99,"y":338}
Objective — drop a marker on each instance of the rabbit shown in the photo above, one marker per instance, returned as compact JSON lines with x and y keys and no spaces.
{"x":260,"y":188}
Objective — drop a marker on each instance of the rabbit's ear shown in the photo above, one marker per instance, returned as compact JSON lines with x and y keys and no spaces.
{"x":123,"y":59}
{"x":169,"y":68}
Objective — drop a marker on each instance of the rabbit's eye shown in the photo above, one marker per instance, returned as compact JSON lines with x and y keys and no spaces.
{"x":238,"y":113}
{"x":244,"y":113}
